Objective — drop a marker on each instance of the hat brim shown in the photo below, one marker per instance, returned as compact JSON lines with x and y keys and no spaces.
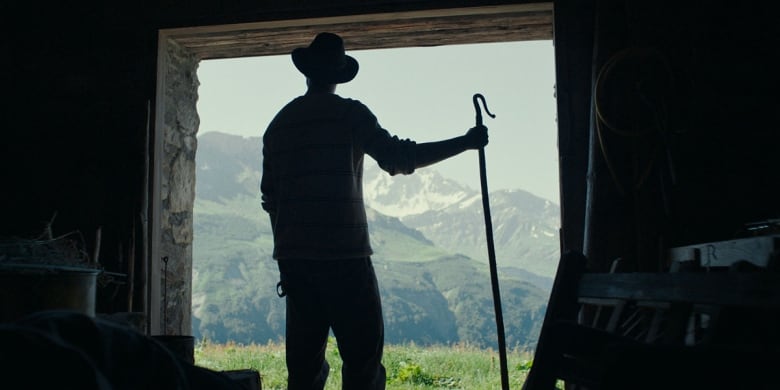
{"x":309,"y":68}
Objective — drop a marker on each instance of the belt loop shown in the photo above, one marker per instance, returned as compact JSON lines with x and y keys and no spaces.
{"x":280,"y":289}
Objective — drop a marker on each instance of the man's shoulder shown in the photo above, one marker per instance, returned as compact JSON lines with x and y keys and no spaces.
{"x":348,"y":101}
{"x":356,"y":107}
{"x":307,"y":108}
{"x":320,"y":100}
{"x":340,"y":106}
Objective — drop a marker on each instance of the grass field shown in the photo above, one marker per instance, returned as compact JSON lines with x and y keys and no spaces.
{"x":408,"y":366}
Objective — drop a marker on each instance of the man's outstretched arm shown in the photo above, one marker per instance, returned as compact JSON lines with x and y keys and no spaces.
{"x":429,"y":153}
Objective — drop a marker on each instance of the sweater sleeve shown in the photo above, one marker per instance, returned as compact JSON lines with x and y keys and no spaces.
{"x":394,"y":155}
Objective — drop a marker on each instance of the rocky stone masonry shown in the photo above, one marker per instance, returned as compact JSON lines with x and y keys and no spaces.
{"x":178,"y":190}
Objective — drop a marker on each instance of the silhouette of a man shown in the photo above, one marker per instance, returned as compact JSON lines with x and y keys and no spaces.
{"x":312,"y":189}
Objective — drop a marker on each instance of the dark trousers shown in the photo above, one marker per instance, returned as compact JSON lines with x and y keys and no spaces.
{"x":338,"y":295}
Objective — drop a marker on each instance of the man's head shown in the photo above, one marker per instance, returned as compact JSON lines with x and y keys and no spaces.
{"x":324,"y":60}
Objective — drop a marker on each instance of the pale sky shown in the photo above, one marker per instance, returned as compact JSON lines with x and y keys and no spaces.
{"x":425,"y":94}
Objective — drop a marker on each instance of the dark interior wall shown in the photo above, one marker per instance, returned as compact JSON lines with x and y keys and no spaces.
{"x":77,"y":87}
{"x":573,"y":31}
{"x":729,"y":138}
{"x":684,"y":150}
{"x":73,"y":116}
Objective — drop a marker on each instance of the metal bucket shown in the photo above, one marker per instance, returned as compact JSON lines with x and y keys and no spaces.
{"x":28,"y":288}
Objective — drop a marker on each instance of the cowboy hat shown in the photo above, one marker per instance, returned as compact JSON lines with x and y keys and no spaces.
{"x":324,"y":60}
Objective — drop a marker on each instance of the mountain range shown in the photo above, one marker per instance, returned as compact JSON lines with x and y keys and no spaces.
{"x":428,"y":235}
{"x":525,"y":226}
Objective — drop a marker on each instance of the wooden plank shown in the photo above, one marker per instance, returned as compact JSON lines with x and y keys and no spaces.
{"x":753,"y":289}
{"x":756,"y":250}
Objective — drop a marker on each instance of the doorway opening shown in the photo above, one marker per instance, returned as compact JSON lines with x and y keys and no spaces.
{"x":182,"y":50}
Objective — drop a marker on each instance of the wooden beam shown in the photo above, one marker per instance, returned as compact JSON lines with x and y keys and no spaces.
{"x":520,"y":22}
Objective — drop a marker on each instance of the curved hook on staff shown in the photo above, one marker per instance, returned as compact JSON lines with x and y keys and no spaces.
{"x":477,"y":98}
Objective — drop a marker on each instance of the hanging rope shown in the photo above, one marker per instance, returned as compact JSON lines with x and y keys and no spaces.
{"x":659,"y":125}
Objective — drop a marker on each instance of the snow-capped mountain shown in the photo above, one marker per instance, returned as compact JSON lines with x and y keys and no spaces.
{"x":525,"y":226}
{"x":403,"y":195}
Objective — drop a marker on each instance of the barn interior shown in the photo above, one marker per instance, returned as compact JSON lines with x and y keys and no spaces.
{"x":665,"y":112}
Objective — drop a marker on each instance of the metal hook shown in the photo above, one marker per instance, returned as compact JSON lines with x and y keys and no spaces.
{"x":477,"y":98}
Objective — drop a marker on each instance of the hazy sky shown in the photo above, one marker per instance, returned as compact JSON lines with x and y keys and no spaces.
{"x":425,"y":94}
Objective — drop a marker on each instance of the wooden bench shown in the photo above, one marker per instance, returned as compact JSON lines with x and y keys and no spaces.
{"x":693,"y":330}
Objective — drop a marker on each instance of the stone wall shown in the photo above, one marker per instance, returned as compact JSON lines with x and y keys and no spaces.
{"x":178,"y":190}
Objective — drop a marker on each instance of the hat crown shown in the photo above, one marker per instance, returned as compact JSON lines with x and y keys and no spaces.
{"x":329,"y":49}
